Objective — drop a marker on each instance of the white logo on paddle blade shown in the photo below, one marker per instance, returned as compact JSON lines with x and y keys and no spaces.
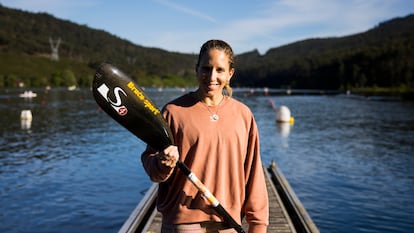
{"x":117,"y":104}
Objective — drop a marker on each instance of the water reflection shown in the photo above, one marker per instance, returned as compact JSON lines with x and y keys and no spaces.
{"x":75,"y":169}
{"x":283,"y":128}
{"x":26,"y":124}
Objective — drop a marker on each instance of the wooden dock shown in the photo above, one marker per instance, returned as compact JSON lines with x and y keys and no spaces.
{"x":286,"y":212}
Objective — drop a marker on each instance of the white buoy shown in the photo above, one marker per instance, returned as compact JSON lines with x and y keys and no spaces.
{"x":26,"y":119}
{"x":28,"y":94}
{"x":283,"y":115}
{"x":26,"y":115}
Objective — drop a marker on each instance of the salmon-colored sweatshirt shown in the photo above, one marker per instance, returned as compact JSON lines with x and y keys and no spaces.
{"x":224,"y":155}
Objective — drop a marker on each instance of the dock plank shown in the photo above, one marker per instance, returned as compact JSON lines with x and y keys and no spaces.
{"x":286,"y":212}
{"x":279,"y":220}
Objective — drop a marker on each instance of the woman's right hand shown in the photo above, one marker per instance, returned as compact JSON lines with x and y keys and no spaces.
{"x":169,"y":156}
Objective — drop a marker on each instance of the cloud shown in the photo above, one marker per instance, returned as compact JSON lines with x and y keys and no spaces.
{"x":186,"y":10}
{"x":287,"y":21}
{"x":265,"y":25}
{"x":246,"y":26}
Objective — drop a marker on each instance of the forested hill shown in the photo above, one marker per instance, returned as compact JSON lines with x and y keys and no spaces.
{"x":380,"y":57}
{"x":25,"y":53}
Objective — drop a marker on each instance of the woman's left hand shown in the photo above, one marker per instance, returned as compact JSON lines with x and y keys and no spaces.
{"x":169,"y":156}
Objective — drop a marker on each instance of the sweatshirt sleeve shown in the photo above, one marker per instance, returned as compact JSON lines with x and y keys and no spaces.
{"x":256,"y":207}
{"x":157,"y":171}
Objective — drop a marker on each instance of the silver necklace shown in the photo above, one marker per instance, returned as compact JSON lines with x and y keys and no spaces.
{"x":213,"y":115}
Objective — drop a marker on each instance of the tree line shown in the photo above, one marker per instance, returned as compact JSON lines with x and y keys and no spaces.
{"x":380,"y":58}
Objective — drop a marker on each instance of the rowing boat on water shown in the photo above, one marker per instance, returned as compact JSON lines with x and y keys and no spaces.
{"x":287,"y":213}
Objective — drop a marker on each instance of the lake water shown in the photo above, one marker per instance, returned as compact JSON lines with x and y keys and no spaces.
{"x":350,"y":160}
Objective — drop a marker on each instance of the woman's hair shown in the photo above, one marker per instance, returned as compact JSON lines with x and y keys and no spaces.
{"x":222,"y":46}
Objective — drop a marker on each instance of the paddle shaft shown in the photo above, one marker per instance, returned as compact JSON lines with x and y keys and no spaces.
{"x":210,"y":197}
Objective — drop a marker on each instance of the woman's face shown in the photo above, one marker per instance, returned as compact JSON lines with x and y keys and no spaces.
{"x":213,"y":72}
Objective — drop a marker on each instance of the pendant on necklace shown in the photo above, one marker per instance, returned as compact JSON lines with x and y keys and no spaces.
{"x":214,"y":117}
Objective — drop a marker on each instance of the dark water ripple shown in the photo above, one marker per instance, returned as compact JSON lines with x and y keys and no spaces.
{"x":354,"y":165}
{"x":350,"y":161}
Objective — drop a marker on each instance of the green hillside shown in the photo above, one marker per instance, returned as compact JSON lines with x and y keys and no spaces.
{"x":379,"y":60}
{"x":25,"y":53}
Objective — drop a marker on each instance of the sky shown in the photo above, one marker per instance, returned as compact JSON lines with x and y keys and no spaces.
{"x":184,"y":25}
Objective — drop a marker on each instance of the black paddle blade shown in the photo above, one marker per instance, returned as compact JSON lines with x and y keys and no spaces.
{"x":122,"y":99}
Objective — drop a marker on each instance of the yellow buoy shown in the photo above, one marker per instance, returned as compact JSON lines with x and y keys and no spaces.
{"x":292,"y":120}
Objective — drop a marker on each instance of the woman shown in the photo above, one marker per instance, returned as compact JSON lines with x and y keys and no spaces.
{"x":216,"y":136}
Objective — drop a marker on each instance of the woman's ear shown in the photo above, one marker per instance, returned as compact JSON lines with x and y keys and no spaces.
{"x":231,"y":72}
